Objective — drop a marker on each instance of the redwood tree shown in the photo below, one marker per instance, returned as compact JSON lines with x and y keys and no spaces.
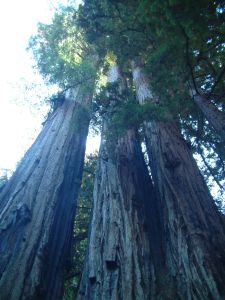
{"x":38,"y":204}
{"x":193,"y":229}
{"x":119,"y":263}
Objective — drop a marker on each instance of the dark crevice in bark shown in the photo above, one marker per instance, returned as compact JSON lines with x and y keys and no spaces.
{"x":193,"y":228}
{"x":118,"y":264}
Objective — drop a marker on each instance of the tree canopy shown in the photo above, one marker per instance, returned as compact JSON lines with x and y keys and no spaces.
{"x":181,"y":45}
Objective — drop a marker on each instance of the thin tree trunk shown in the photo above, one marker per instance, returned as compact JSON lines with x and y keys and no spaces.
{"x":194,"y":234}
{"x":38,"y":205}
{"x":118,"y":264}
{"x":215,"y":117}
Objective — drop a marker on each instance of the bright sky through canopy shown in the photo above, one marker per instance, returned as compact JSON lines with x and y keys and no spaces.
{"x":20,"y":112}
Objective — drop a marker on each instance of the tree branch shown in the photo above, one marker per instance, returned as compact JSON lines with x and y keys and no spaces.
{"x":217,"y":81}
{"x":210,"y":170}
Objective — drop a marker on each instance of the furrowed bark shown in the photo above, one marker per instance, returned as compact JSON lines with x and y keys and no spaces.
{"x":215,"y":117}
{"x":193,"y":229}
{"x":118,"y":264}
{"x":38,"y":205}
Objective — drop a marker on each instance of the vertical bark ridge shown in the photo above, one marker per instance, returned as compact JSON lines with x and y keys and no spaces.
{"x":118,"y":264}
{"x":38,"y":206}
{"x":194,"y":235}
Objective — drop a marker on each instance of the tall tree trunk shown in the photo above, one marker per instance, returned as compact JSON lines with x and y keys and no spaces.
{"x":118,"y":264}
{"x":215,"y":117}
{"x":38,"y":205}
{"x":194,"y":233}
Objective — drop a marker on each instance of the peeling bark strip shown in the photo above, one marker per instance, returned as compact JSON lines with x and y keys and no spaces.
{"x":38,"y":206}
{"x":194,"y":233}
{"x":118,"y":264}
{"x":215,"y":117}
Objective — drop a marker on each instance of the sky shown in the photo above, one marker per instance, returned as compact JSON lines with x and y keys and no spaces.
{"x":22,"y":108}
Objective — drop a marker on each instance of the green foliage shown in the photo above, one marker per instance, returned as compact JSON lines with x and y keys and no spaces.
{"x":189,"y":44}
{"x":209,"y":152}
{"x":181,"y":43}
{"x":123,"y":112}
{"x":111,"y":23}
{"x":61,"y":52}
{"x":81,"y":225}
{"x":132,"y":115}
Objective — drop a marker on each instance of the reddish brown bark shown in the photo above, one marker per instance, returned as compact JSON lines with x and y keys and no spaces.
{"x":193,"y":230}
{"x":38,"y":205}
{"x":119,"y":264}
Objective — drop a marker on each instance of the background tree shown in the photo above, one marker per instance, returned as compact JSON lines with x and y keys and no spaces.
{"x":81,"y":226}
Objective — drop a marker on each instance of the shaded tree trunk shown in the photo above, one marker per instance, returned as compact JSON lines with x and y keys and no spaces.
{"x":193,"y":229}
{"x":215,"y":117}
{"x":118,"y":264}
{"x":38,"y":205}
